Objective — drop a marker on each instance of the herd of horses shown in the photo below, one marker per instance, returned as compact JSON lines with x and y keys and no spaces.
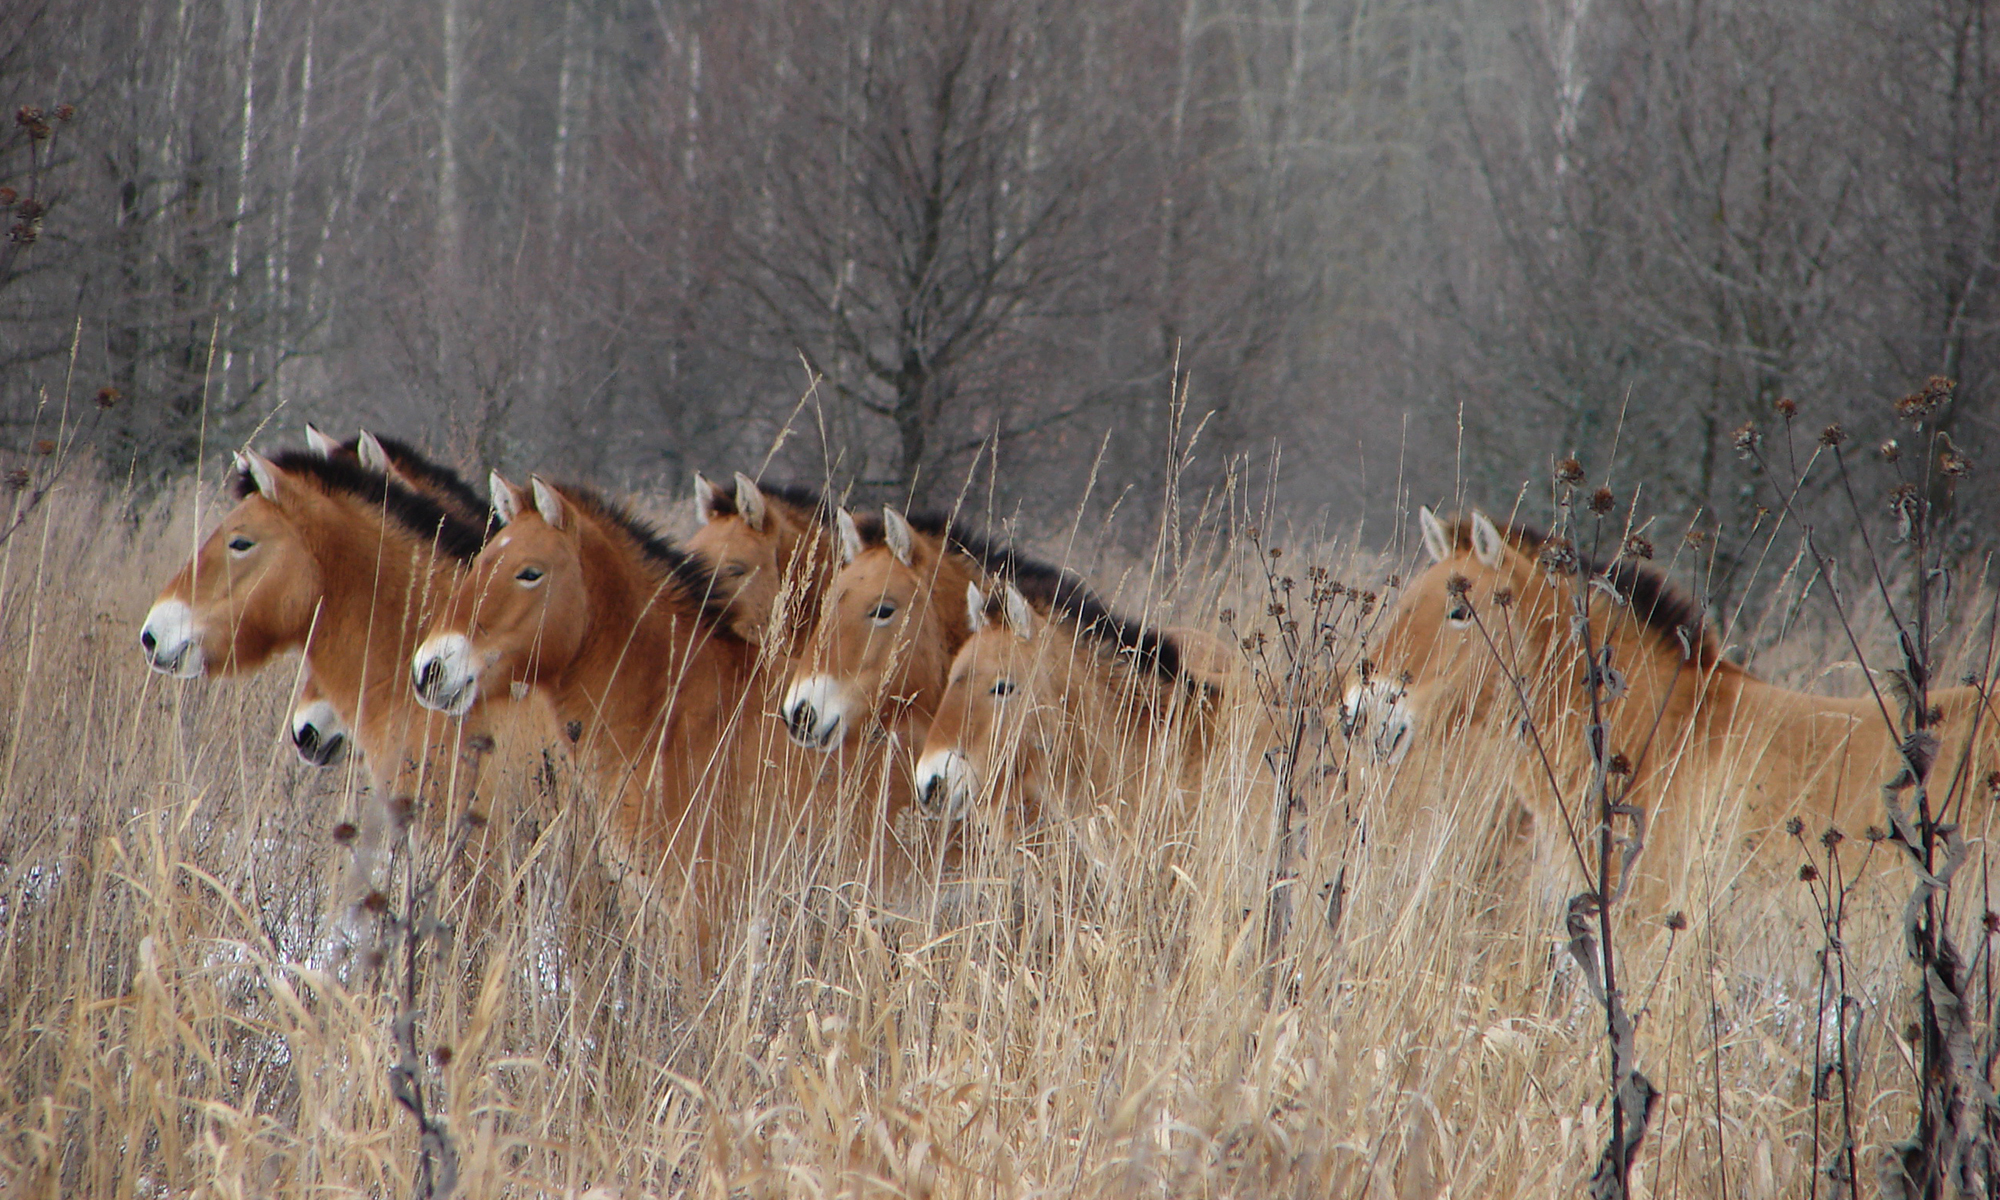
{"x":709,"y":691}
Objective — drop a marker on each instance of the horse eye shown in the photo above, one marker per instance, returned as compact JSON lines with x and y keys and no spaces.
{"x":1458,"y":614}
{"x":883,"y":613}
{"x":735,"y":570}
{"x":1002,"y":687}
{"x":240,"y":544}
{"x":529,"y":574}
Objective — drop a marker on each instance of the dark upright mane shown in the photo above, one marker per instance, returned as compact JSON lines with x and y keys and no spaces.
{"x":687,"y":573}
{"x":430,"y":476}
{"x":422,"y":517}
{"x":1051,"y":590}
{"x":1672,"y":615}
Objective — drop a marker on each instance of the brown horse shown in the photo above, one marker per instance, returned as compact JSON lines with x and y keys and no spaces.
{"x":623,"y":633}
{"x":772,"y":550}
{"x":1485,"y":639}
{"x":1041,"y":711}
{"x":319,"y":734}
{"x":329,"y":557}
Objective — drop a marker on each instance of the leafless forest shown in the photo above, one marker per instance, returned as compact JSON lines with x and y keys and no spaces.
{"x":1422,"y":241}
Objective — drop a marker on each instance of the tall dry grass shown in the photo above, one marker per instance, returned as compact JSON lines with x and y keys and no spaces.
{"x":1084,"y":1012}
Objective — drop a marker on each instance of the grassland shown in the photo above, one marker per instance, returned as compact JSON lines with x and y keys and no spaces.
{"x":1088,"y":1012}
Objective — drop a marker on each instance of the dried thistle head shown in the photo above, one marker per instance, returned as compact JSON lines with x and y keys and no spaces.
{"x":1745,"y":438}
{"x":1794,"y":827}
{"x":1696,"y":538}
{"x":1677,"y":921}
{"x":1569,"y":470}
{"x":1952,"y":463}
{"x":1890,"y":450}
{"x":344,"y":832}
{"x":1808,"y":873}
{"x":1832,"y":436}
{"x":23,"y":232}
{"x":376,"y":901}
{"x":1601,"y":501}
{"x":442,"y":1056}
{"x":1874,"y":834}
{"x":45,"y":446}
{"x":1228,"y":616}
{"x":1558,"y":557}
{"x":63,"y":112}
{"x":17,"y":479}
{"x":1787,"y":407}
{"x":1991,"y":921}
{"x":1638,"y":545}
{"x":32,"y":209}
{"x":1921,"y":404}
{"x":1832,"y":837}
{"x":1503,"y":598}
{"x":108,"y":397}
{"x":1619,"y":764}
{"x":1457,"y":586}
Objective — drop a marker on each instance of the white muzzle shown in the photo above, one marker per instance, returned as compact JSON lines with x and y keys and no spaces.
{"x":945,"y":785}
{"x":318,"y":733}
{"x":445,"y":674}
{"x":815,"y":712}
{"x":171,"y":640}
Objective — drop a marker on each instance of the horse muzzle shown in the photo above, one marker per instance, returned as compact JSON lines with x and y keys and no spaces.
{"x":1378,"y":716}
{"x":445,"y":675}
{"x":944,"y":784}
{"x":171,"y":640}
{"x":814,"y":712}
{"x":318,"y":734}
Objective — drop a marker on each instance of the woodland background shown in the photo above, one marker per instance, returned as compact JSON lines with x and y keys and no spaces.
{"x":1358,"y":250}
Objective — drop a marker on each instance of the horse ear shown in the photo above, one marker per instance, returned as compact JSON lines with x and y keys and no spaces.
{"x":507,"y":498}
{"x":1014,"y":607}
{"x":320,"y":442}
{"x":847,"y":534}
{"x":975,"y":608}
{"x":1487,"y":541}
{"x":1437,"y":539}
{"x":896,"y":532}
{"x":368,"y":448}
{"x":750,"y":502}
{"x":707,"y":499}
{"x":262,"y":472}
{"x":548,"y":502}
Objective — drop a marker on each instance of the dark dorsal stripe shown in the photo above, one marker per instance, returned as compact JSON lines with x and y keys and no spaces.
{"x":430,"y":476}
{"x":1052,"y":591}
{"x":804,"y":502}
{"x":687,"y":574}
{"x":1667,"y":611}
{"x":420,"y":516}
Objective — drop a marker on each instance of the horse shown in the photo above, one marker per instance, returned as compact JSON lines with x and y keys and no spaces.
{"x":1040,"y":710}
{"x":318,"y":732}
{"x":628,"y":638}
{"x":1485,"y":639}
{"x":772,"y":552}
{"x":325,"y":556}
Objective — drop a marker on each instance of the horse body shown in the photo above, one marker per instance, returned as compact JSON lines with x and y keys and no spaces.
{"x":620,"y":631}
{"x":1713,"y":751}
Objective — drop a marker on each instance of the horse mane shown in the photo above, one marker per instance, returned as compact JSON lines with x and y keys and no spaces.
{"x":430,"y":474}
{"x":420,"y":516}
{"x":1669,"y":613}
{"x":1052,"y":590}
{"x":804,"y":502}
{"x":687,"y":574}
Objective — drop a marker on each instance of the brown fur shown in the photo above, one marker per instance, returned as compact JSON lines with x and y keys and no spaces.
{"x":1722,"y":735}
{"x":772,"y":579}
{"x":622,"y":634}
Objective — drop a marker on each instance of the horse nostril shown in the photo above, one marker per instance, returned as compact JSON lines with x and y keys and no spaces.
{"x":147,"y":639}
{"x":803,"y":719}
{"x":427,"y":676}
{"x":929,"y":796}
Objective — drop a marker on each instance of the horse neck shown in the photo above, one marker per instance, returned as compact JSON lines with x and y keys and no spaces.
{"x":643,"y":640}
{"x":379,"y":585}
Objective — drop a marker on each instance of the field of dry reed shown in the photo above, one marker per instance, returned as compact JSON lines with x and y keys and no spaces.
{"x":1096,"y":1008}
